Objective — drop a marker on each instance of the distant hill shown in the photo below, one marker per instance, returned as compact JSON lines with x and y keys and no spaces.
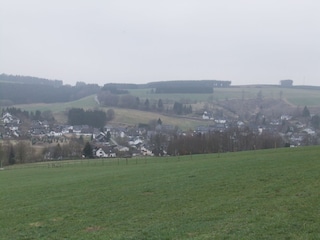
{"x":24,"y":89}
{"x":189,"y":83}
{"x":29,"y":80}
{"x":174,"y":86}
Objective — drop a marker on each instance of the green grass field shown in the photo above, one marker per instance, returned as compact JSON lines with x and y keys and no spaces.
{"x":296,"y":96}
{"x":87,"y":102}
{"x":270,"y":194}
{"x":133,"y":117}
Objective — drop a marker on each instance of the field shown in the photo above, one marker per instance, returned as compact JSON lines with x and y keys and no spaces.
{"x":294,"y":96}
{"x":270,"y":194}
{"x":87,"y":102}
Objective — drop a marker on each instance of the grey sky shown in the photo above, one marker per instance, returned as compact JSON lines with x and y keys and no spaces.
{"x":101,"y":41}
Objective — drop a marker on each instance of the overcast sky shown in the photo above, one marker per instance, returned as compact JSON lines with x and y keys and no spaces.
{"x":103,"y":41}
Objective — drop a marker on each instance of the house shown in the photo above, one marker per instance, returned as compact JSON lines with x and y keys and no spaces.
{"x":146,"y":152}
{"x":39,"y":128}
{"x":104,"y":153}
{"x":285,"y":117}
{"x":8,"y":118}
{"x":102,"y":138}
{"x":135,"y":142}
{"x":207,"y":116}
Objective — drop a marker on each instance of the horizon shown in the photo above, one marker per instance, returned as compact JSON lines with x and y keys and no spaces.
{"x":246,"y":42}
{"x":168,"y":80}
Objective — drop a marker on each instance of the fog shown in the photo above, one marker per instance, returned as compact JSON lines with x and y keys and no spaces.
{"x":245,"y":41}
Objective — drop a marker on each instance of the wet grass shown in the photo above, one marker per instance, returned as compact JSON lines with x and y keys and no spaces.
{"x":271,"y":194}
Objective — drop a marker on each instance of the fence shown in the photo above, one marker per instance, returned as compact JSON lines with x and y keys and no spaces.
{"x":96,"y":162}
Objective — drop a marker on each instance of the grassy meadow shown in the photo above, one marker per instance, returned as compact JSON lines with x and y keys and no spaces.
{"x":296,"y":96}
{"x":269,"y":194}
{"x":86,"y":103}
{"x":133,"y":117}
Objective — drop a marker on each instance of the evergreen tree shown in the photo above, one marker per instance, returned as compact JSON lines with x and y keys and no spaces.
{"x":160,"y":105}
{"x":178,"y":108}
{"x":108,"y":136}
{"x":87,"y":150}
{"x":306,"y":112}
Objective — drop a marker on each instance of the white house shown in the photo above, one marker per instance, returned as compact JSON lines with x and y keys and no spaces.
{"x":102,"y":154}
{"x":146,"y":152}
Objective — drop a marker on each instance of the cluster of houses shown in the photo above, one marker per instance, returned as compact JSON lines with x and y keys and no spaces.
{"x":9,"y":126}
{"x":294,"y":131}
{"x":136,"y":140}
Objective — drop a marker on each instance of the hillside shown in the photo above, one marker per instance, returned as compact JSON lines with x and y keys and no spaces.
{"x":269,"y":194}
{"x":232,"y":102}
{"x":32,"y":90}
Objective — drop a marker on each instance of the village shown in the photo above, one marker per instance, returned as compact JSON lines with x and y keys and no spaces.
{"x":130,"y":141}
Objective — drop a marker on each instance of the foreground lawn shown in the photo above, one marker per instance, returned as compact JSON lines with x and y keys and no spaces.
{"x":270,"y":194}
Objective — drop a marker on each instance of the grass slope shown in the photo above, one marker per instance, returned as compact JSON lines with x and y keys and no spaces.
{"x":133,"y":117}
{"x":270,"y":194}
{"x":296,"y":96}
{"x":86,"y":102}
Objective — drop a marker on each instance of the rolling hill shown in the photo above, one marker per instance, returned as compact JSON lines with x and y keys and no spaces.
{"x":270,"y":194}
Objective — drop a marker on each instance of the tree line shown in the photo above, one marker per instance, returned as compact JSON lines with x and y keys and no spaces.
{"x":22,"y":152}
{"x":18,"y":93}
{"x":195,"y":89}
{"x":94,"y":118}
{"x":26,"y":115}
{"x":228,"y":141}
{"x":29,"y":80}
{"x":108,"y":99}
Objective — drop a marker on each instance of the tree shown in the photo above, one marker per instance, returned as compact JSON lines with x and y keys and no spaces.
{"x":1,"y":155}
{"x":37,"y":115}
{"x":178,"y":108}
{"x":95,"y":118}
{"x":160,"y":105}
{"x":21,"y":151}
{"x":108,"y":136}
{"x":87,"y":151}
{"x":158,"y":141}
{"x":57,"y":152}
{"x":11,"y":159}
{"x":305,"y":112}
{"x":137,"y":102}
{"x":74,"y":148}
{"x":315,"y":121}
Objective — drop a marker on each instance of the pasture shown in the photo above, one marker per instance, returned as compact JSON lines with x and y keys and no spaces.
{"x":269,"y":194}
{"x":296,"y":96}
{"x":86,"y":102}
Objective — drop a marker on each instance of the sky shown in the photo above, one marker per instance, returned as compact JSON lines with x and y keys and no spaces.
{"x":140,"y":41}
